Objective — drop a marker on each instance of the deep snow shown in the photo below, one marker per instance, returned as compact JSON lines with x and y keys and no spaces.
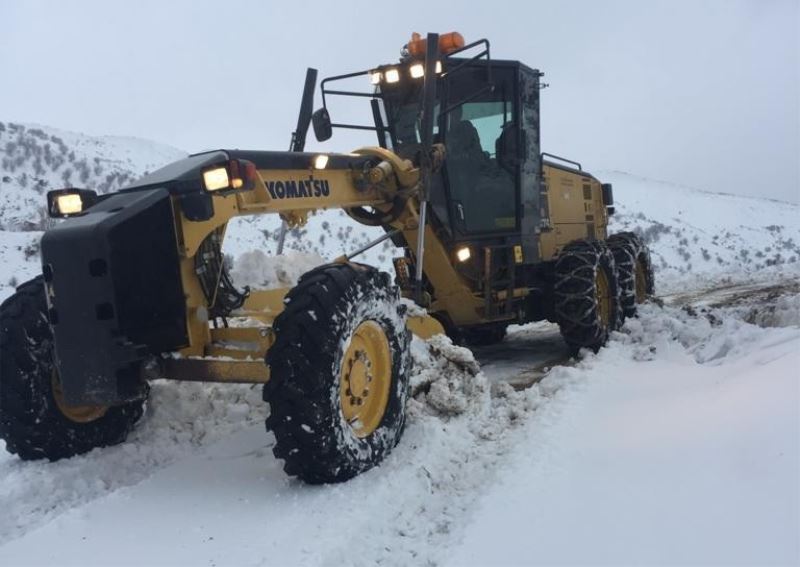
{"x":678,"y":443}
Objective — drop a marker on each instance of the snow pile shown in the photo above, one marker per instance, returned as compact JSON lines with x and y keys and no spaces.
{"x":447,"y":378}
{"x":262,"y":271}
{"x":785,"y":312}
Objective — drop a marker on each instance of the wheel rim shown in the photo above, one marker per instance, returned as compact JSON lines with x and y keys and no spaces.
{"x":366,"y":378}
{"x":641,"y":282}
{"x":603,"y":296}
{"x":78,"y":414}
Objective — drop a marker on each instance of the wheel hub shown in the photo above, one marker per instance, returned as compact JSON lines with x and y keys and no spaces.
{"x":366,"y":378}
{"x":641,"y":282}
{"x":603,"y":297}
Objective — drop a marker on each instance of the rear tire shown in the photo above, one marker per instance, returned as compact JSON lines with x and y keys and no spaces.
{"x":636,"y":279}
{"x":339,"y":371}
{"x":586,"y":294}
{"x":34,"y":421}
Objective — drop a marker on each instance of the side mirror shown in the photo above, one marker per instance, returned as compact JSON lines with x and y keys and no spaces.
{"x":321,"y":121}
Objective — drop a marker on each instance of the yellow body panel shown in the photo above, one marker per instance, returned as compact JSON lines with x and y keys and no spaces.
{"x":575,"y":201}
{"x":424,"y":326}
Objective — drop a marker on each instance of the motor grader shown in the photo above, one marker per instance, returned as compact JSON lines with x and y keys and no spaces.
{"x":490,"y":230}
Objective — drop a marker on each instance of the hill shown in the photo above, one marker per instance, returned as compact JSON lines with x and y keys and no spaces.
{"x":694,"y":235}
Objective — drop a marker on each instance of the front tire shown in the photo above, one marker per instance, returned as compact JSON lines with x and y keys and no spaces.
{"x":34,"y":420}
{"x":586,"y":294}
{"x":339,"y":371}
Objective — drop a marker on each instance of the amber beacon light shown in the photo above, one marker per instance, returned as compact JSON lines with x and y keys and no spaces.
{"x":448,"y":43}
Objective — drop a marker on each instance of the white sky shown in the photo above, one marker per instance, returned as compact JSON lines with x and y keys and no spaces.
{"x":703,"y":93}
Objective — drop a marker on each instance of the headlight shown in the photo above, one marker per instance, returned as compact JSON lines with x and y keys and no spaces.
{"x":216,"y":179}
{"x":463,"y":254}
{"x":321,"y":161}
{"x":68,"y":202}
{"x":235,"y":175}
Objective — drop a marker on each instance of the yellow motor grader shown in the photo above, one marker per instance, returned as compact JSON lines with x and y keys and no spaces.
{"x":490,"y":231}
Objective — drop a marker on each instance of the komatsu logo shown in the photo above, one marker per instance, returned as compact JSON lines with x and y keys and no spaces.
{"x":298,"y":189}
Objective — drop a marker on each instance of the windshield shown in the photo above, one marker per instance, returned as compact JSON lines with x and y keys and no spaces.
{"x":402,"y":114}
{"x":476,"y":191}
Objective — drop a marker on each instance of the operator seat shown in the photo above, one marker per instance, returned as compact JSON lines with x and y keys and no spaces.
{"x":463,"y":141}
{"x":464,"y":163}
{"x":505,"y":147}
{"x":503,"y":206}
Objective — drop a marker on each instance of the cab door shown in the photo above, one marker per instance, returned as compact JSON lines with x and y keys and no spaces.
{"x":481,"y":168}
{"x":533,"y":196}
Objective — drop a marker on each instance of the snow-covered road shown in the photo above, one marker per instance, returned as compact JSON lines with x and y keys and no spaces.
{"x":678,"y":443}
{"x":659,"y":459}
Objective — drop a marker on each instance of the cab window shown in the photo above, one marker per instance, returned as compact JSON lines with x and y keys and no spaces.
{"x":478,"y":138}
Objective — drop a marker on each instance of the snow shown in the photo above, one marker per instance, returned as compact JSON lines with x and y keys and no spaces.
{"x":262,"y":271}
{"x":185,"y":513}
{"x":697,"y":236}
{"x":35,"y":159}
{"x":666,"y":454}
{"x":180,"y":418}
{"x":663,"y":448}
{"x":19,"y":258}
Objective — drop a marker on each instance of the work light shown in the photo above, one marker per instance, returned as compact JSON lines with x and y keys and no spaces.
{"x":321,"y":161}
{"x":63,"y":203}
{"x":235,"y":175}
{"x":392,"y":75}
{"x":216,"y":179}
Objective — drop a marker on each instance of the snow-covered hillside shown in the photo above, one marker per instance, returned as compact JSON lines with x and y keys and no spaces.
{"x":694,"y":235}
{"x":35,"y":159}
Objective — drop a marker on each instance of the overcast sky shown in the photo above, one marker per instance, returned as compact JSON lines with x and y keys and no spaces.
{"x":703,"y":93}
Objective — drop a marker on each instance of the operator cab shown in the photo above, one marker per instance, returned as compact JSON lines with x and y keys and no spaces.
{"x":487,"y":115}
{"x":477,"y":191}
